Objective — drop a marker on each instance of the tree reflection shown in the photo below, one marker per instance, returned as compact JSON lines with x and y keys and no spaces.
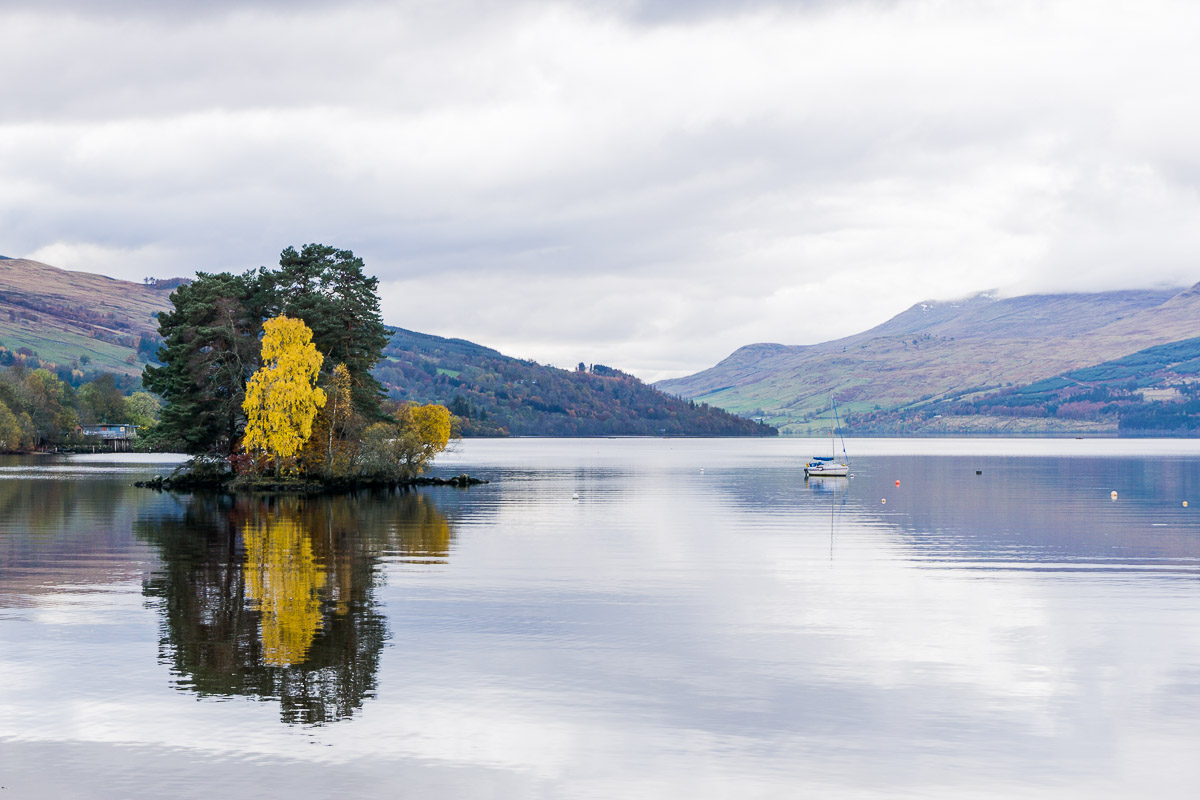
{"x":284,"y":581}
{"x":273,"y":598}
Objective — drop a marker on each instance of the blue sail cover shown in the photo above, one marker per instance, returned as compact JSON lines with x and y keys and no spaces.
{"x":822,"y":458}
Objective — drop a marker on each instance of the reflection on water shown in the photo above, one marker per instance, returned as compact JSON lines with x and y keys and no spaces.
{"x":274,"y":598}
{"x":645,"y":618}
{"x":284,"y":584}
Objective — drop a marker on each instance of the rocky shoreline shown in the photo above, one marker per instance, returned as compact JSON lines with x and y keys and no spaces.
{"x":230,"y":484}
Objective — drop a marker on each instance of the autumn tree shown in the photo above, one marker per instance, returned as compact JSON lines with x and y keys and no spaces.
{"x":401,"y":448}
{"x":10,"y":430}
{"x":332,"y":449}
{"x":143,"y":409}
{"x":49,"y":403}
{"x":282,"y":398}
{"x":210,"y":340}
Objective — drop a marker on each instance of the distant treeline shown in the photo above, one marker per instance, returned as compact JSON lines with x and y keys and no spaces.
{"x":1155,"y":391}
{"x":38,"y":409}
{"x":496,"y":395}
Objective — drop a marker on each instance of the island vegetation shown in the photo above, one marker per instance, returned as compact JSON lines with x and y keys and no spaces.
{"x":267,"y":378}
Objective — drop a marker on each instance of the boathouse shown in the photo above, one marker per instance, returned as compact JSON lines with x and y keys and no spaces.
{"x":118,"y":437}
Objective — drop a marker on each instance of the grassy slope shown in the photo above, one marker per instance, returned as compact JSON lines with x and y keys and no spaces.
{"x":64,"y":315}
{"x":938,"y":348}
{"x":1102,"y":398}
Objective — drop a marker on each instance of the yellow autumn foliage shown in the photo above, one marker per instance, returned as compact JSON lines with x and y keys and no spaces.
{"x":331,"y":450}
{"x":282,"y":398}
{"x":402,"y":448}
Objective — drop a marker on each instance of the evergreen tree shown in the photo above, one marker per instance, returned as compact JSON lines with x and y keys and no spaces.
{"x":210,"y":348}
{"x":328,"y":289}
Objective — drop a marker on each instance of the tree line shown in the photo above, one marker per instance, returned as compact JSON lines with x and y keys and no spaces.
{"x":38,"y":409}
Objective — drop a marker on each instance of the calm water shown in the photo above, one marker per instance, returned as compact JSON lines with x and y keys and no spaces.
{"x":699,"y":623}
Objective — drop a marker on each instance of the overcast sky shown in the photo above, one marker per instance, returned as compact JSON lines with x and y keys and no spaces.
{"x":648,"y":184}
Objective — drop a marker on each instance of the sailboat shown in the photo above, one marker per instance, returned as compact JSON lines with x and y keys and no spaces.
{"x":829,"y":466}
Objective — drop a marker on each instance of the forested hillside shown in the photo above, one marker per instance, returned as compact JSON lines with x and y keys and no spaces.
{"x":496,"y":395}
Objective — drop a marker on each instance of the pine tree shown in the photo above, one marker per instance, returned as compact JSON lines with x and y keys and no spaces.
{"x":210,"y":348}
{"x":328,"y":289}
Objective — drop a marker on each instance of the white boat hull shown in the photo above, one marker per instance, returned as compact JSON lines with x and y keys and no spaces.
{"x":826,"y":470}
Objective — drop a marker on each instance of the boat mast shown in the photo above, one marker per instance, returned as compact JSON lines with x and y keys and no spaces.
{"x":839,"y":430}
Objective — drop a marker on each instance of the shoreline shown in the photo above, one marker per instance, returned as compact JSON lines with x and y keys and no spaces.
{"x":233,"y":485}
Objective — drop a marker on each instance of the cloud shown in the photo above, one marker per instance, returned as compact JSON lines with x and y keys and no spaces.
{"x":645,"y":184}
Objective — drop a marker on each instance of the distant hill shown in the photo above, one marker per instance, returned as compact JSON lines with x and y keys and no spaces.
{"x":942,"y":351}
{"x":495,"y":394}
{"x":1153,"y":392}
{"x":77,"y":319}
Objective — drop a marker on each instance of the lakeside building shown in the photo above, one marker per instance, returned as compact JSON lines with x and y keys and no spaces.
{"x":118,"y":437}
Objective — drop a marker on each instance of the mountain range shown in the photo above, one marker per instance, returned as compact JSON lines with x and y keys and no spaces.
{"x":1105,"y":362}
{"x":886,"y":378}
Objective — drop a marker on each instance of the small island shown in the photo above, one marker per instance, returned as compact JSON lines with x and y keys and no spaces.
{"x":267,"y":378}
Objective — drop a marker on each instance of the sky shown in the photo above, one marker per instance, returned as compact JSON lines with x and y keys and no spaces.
{"x":648,"y":184}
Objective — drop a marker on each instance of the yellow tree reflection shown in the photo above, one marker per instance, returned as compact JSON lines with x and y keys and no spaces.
{"x":284,"y":580}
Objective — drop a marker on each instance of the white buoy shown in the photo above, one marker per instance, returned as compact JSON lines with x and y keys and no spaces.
{"x":1114,"y":494}
{"x":1185,"y":503}
{"x":884,"y":501}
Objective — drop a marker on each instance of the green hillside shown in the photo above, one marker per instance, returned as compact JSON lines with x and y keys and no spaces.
{"x":76,"y":321}
{"x":495,"y":394}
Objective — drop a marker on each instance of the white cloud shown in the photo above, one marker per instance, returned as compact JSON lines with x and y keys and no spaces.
{"x":642,"y":184}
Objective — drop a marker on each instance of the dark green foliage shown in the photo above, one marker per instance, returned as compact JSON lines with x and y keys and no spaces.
{"x":495,"y":395}
{"x":210,"y":348}
{"x":328,"y":289}
{"x":102,"y":401}
{"x":1048,"y":385}
{"x":1177,"y":419}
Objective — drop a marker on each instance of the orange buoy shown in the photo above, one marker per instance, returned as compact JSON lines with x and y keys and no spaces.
{"x":897,"y":483}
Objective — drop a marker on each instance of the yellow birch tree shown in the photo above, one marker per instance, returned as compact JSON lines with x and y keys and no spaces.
{"x":282,"y":398}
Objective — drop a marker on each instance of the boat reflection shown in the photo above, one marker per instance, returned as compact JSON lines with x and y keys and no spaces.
{"x":273,"y":598}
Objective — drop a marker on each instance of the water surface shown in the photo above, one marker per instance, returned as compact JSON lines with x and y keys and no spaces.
{"x":630,"y":617}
